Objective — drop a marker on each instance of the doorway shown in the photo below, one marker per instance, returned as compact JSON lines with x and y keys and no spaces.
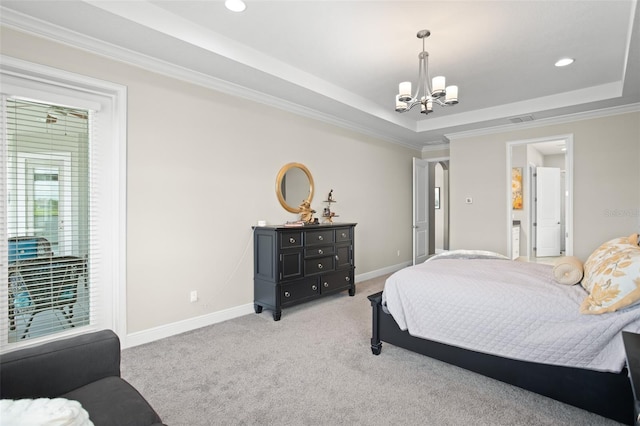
{"x":430,"y":207}
{"x":539,"y":159}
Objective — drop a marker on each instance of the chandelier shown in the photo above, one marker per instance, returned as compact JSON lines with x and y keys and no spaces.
{"x":429,"y":92}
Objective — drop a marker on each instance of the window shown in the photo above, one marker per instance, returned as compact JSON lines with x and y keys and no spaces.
{"x":48,"y":232}
{"x":62,"y":193}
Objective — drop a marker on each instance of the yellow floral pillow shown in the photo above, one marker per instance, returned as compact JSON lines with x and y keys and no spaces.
{"x":612,"y":277}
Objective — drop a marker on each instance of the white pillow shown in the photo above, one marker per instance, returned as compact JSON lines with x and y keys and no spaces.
{"x":568,"y":270}
{"x":43,"y":412}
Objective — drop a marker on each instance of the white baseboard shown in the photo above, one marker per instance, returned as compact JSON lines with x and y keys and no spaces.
{"x":164,"y":331}
{"x":379,"y":272}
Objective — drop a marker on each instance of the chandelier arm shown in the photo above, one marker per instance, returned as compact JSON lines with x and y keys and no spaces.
{"x":416,"y":96}
{"x":428,"y":78}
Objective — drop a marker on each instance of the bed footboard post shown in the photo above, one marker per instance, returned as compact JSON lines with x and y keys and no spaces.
{"x":376,"y":303}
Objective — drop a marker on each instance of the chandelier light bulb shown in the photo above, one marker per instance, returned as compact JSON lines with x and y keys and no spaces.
{"x":438,"y":85}
{"x":452,"y":95}
{"x":405,"y":91}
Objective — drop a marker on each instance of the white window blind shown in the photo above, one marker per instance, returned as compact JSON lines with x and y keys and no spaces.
{"x":48,"y":252}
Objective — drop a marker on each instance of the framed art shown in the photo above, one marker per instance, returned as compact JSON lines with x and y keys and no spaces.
{"x":516,"y":188}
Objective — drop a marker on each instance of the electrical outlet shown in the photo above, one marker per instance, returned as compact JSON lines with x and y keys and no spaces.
{"x":194,"y":296}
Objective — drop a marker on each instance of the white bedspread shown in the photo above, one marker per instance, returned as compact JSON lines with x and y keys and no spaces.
{"x":507,"y":308}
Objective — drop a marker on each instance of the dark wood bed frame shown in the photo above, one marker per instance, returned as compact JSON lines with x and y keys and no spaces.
{"x":606,"y":394}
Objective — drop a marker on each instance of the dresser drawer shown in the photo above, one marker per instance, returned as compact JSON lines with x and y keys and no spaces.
{"x":291,"y":239}
{"x":343,"y":235}
{"x":335,"y":281}
{"x":318,"y":265}
{"x":319,"y":251}
{"x":314,"y":238}
{"x":295,"y":292}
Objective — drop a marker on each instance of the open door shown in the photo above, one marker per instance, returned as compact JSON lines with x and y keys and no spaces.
{"x":420,"y":210}
{"x":548,"y":219}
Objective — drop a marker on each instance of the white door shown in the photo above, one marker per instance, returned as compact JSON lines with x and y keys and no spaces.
{"x":547,"y":211}
{"x":44,"y":199}
{"x":420,"y":210}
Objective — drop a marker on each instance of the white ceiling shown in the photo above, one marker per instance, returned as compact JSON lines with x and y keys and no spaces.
{"x":341,"y":61}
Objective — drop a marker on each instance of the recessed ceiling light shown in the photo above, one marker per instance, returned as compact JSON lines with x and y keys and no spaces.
{"x":235,"y":5}
{"x":564,"y":62}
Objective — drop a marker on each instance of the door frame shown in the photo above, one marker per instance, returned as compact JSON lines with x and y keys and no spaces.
{"x":28,"y":80}
{"x":416,"y":200}
{"x":63,"y":160}
{"x":568,"y":140}
{"x":420,"y":198}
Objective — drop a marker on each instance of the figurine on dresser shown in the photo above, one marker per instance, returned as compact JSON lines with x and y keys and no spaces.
{"x":306,"y":212}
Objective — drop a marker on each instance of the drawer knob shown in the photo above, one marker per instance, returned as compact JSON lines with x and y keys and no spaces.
{"x":326,"y":284}
{"x":320,"y":251}
{"x":337,"y":257}
{"x":287,"y":294}
{"x":320,"y":266}
{"x":344,"y":235}
{"x":314,"y":287}
{"x":292,"y":240}
{"x":347,"y":278}
{"x":320,"y":237}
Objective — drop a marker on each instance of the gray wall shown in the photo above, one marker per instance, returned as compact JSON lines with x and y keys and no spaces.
{"x":201,"y":170}
{"x":606,"y":184}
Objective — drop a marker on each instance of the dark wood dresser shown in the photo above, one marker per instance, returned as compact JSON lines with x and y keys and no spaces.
{"x":297,"y":264}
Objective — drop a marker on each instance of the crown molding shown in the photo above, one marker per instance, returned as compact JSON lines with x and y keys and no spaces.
{"x":543,"y":122}
{"x":29,"y":25}
{"x":435,"y":147}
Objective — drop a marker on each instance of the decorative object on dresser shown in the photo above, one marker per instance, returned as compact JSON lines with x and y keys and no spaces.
{"x":297,"y":265}
{"x":294,"y":189}
{"x":327,"y":213}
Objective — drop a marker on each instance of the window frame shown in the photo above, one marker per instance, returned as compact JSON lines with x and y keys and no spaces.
{"x":45,"y":84}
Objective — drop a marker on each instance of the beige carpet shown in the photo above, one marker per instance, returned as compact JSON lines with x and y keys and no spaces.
{"x":315,"y":367}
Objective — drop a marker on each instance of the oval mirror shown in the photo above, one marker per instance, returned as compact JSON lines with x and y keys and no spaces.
{"x":294,"y":185}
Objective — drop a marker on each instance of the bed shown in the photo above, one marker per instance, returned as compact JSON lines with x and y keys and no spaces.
{"x":558,"y":340}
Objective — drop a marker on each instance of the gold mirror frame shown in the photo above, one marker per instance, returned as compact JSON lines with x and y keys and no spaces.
{"x":281,"y":174}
